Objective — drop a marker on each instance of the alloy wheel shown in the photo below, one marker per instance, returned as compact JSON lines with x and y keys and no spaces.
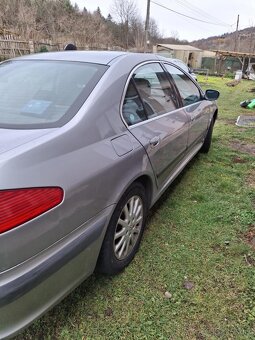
{"x":128,"y":228}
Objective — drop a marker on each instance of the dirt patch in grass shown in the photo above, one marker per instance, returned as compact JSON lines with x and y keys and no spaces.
{"x":242,"y":147}
{"x":249,"y":260}
{"x":252,"y":90}
{"x":228,"y":121}
{"x":217,"y":248}
{"x":238,"y":159}
{"x":251,"y":179}
{"x":200,"y":336}
{"x":249,"y":236}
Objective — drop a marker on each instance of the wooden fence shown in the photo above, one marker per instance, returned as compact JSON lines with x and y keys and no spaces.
{"x":10,"y":48}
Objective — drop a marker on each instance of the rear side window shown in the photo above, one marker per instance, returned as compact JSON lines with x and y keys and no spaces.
{"x":149,"y":94}
{"x":38,"y":94}
{"x":154,"y":89}
{"x":188,"y":91}
{"x":133,"y":110}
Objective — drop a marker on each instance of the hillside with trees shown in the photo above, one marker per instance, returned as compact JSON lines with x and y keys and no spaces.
{"x":60,"y":21}
{"x":242,"y":41}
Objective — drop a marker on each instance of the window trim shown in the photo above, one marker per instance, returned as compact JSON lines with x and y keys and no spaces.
{"x":130,"y":127}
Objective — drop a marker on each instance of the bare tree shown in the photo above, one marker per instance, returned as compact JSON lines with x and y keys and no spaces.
{"x":175,"y":35}
{"x":154,"y":31}
{"x":137,"y":33}
{"x":26,"y":20}
{"x":125,"y":11}
{"x":58,"y":21}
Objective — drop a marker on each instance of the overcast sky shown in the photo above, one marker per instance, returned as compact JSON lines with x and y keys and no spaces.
{"x":222,"y":15}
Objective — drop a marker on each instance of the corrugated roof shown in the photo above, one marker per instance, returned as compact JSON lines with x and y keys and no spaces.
{"x":179,"y":47}
{"x":234,"y":54}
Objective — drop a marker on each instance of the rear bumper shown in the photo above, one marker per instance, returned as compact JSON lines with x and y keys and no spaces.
{"x":30,"y":289}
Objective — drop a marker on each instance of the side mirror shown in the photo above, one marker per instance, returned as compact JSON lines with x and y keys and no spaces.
{"x":212,"y":94}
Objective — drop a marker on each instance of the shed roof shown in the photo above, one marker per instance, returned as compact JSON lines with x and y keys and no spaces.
{"x":234,"y":54}
{"x":179,"y":47}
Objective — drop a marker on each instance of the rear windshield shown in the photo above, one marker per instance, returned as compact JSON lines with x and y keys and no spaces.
{"x":40,"y":94}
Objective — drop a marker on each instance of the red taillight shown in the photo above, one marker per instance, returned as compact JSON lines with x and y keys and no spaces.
{"x":18,"y":206}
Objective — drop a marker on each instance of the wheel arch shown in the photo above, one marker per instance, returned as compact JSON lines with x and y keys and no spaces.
{"x":106,"y":263}
{"x":148,"y":186}
{"x":215,"y":115}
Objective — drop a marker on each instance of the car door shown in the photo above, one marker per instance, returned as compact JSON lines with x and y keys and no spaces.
{"x":150,"y":109}
{"x":196,"y":108}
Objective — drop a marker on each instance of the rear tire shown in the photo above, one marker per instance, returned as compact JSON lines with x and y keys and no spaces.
{"x":208,"y":138}
{"x":124,"y":232}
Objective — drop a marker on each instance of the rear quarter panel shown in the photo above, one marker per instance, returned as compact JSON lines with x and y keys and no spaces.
{"x":80,"y":158}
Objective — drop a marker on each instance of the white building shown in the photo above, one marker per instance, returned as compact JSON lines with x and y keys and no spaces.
{"x":190,"y":55}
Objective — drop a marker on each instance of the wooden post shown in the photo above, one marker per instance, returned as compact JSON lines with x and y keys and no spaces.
{"x":31,"y":47}
{"x":236,"y":35}
{"x":147,"y":22}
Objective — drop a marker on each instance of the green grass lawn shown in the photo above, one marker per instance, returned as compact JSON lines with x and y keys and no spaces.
{"x":199,"y":247}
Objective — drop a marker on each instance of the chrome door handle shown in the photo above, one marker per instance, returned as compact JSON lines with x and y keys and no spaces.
{"x":154,"y":141}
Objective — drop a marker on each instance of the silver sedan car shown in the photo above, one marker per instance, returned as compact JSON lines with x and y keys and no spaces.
{"x":88,"y":141}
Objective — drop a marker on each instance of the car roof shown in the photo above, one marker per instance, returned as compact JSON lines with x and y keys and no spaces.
{"x":98,"y":57}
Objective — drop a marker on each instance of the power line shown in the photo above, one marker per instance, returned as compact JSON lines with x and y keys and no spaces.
{"x":199,"y":11}
{"x":187,"y":16}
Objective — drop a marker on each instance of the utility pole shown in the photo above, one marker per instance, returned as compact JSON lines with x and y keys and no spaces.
{"x":147,"y":23}
{"x":236,"y":35}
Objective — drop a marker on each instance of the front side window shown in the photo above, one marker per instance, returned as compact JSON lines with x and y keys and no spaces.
{"x":188,"y":91}
{"x":39,"y":93}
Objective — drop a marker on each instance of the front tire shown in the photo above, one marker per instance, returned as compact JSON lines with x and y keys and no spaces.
{"x":125,"y":230}
{"x":208,"y":138}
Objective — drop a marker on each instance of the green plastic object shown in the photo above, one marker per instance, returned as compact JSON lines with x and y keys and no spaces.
{"x":251,"y":105}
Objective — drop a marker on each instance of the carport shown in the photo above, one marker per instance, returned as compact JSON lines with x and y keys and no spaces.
{"x":246,"y":59}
